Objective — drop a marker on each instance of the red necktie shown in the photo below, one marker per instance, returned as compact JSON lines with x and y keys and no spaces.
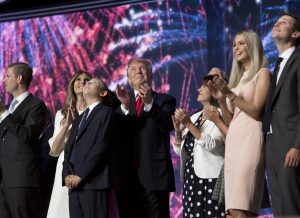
{"x":138,"y":105}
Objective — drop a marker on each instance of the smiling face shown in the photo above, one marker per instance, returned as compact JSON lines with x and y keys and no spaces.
{"x":204,"y":95}
{"x":139,"y":72}
{"x":79,"y":83}
{"x":240,"y":51}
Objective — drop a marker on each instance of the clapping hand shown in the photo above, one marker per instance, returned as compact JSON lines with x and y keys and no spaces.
{"x":221,"y":85}
{"x":182,"y":116}
{"x":211,"y":113}
{"x":145,"y":93}
{"x":71,"y":114}
{"x":123,"y":96}
{"x":178,"y":127}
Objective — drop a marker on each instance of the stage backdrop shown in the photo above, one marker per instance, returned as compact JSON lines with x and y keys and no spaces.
{"x":183,"y":39}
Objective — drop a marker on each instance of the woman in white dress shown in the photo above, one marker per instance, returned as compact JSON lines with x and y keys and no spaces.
{"x":74,"y":105}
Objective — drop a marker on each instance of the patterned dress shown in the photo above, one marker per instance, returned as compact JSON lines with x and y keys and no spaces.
{"x":197,"y":193}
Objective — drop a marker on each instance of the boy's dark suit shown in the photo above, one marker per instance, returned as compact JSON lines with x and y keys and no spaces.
{"x":92,"y":163}
{"x":145,"y":157}
{"x":19,"y":156}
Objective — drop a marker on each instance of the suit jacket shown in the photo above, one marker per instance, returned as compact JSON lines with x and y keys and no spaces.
{"x":19,"y":147}
{"x":145,"y":143}
{"x":92,"y":166}
{"x":285,"y":107}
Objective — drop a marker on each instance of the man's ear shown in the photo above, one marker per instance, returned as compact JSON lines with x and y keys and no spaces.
{"x":103,"y":93}
{"x":296,"y":35}
{"x":19,"y":79}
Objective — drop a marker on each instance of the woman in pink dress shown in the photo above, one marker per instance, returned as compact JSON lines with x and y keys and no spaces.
{"x":246,"y":95}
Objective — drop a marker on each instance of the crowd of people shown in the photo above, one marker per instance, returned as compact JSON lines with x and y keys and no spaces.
{"x":113,"y":149}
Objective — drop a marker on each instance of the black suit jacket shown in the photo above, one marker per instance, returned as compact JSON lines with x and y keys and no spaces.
{"x":145,"y":143}
{"x":285,"y":107}
{"x":19,"y":147}
{"x":94,"y":142}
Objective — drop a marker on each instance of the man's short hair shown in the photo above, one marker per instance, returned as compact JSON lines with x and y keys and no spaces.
{"x":140,"y":60}
{"x":24,"y":70}
{"x":296,"y":24}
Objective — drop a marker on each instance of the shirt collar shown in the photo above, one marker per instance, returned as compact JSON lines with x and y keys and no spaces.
{"x":287,"y":53}
{"x":21,"y":97}
{"x":92,"y":106}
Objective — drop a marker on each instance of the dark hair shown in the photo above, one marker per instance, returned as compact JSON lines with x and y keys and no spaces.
{"x":296,"y":24}
{"x":24,"y":70}
{"x":204,"y":81}
{"x":70,"y":95}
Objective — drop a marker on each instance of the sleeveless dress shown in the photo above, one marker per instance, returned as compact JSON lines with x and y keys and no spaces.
{"x":59,"y":202}
{"x":244,"y":155}
{"x":197,"y":192}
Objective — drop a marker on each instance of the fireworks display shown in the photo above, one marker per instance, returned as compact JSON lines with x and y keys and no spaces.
{"x":172,"y":34}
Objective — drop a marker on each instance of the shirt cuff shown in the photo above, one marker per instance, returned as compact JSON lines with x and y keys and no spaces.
{"x":148,"y":107}
{"x":4,"y":115}
{"x":125,"y":111}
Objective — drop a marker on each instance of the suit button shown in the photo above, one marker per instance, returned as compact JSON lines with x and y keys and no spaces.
{"x":3,"y":139}
{"x":273,"y":111}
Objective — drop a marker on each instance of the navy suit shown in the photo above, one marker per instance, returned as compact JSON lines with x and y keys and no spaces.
{"x":91,"y":164}
{"x":19,"y":156}
{"x":145,"y":158}
{"x":284,"y":183}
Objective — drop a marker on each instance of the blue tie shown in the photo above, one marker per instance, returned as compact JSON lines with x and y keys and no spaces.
{"x":12,"y":106}
{"x":76,"y":151}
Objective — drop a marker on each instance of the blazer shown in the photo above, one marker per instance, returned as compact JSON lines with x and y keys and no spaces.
{"x":92,"y":166}
{"x":285,"y":107}
{"x":208,"y":151}
{"x":145,"y":143}
{"x":19,"y":147}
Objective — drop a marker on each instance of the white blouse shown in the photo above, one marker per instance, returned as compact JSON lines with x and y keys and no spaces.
{"x":208,"y":151}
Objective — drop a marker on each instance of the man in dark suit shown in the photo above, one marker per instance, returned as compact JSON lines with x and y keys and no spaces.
{"x":87,"y":155}
{"x":282,"y":121}
{"x":145,"y":123}
{"x":20,"y":128}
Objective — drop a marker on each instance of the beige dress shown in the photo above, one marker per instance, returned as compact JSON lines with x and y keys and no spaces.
{"x":244,"y":155}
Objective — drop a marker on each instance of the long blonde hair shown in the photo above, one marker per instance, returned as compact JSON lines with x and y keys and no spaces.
{"x":256,"y":55}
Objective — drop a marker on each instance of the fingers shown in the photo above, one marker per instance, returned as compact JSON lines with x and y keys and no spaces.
{"x":292,"y":158}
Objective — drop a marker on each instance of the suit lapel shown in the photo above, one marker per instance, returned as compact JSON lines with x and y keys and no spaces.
{"x":89,"y":119}
{"x":284,"y":74}
{"x":23,"y":104}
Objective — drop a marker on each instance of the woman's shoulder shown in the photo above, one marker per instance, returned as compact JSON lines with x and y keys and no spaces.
{"x":262,"y":73}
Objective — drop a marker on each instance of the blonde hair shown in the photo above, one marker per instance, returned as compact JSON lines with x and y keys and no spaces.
{"x":257,"y":58}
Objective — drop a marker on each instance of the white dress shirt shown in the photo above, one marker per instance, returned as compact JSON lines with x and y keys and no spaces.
{"x":147,"y":108}
{"x":20,"y":98}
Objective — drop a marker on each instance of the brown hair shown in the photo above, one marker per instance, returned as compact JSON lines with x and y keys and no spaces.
{"x":70,"y":92}
{"x":24,"y":70}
